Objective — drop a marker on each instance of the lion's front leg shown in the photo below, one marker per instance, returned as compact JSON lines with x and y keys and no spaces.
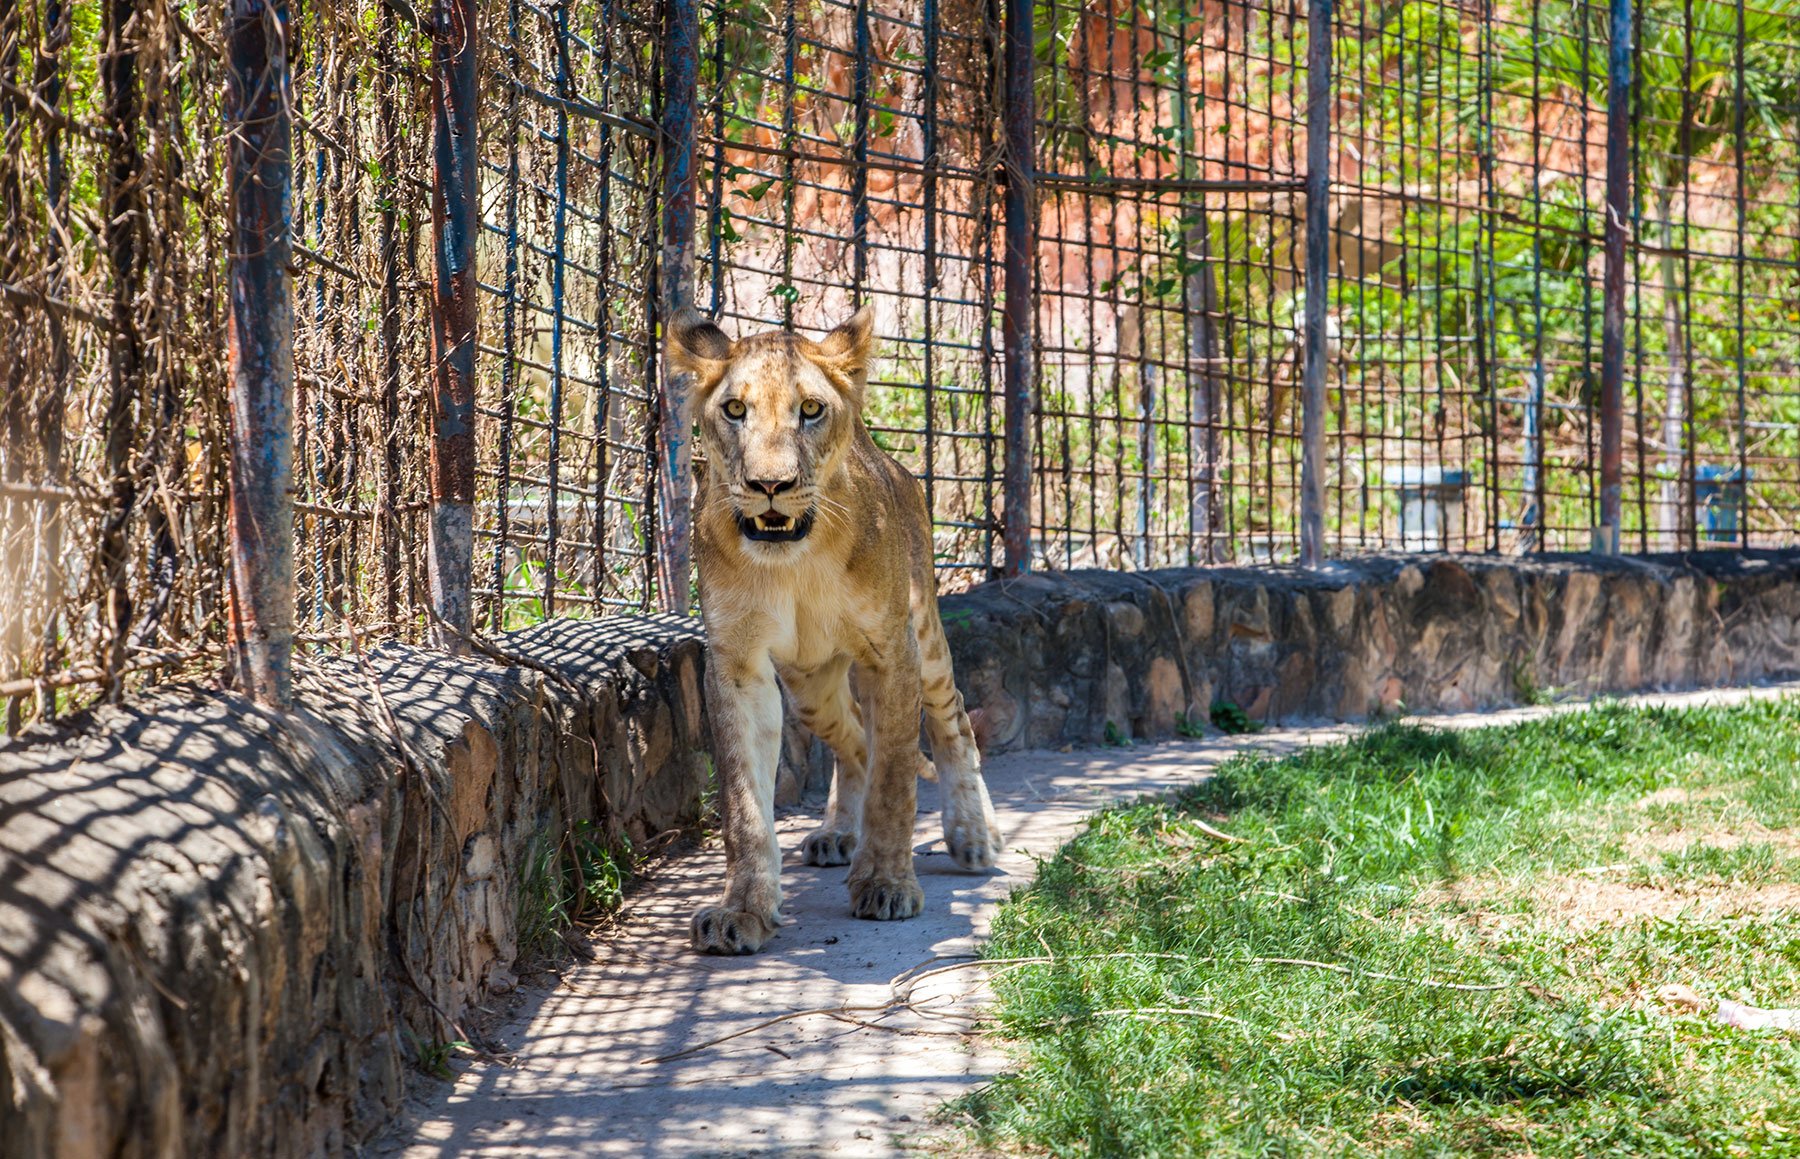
{"x":882,"y":883}
{"x":745,"y":706}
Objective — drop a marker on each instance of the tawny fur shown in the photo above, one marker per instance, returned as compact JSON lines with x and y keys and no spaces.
{"x":845,"y":617}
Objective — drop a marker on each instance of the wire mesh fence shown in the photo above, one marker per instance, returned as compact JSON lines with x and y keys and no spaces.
{"x":568,"y":278}
{"x":1170,"y":157}
{"x":362,"y":336}
{"x":1555,"y":288}
{"x":850,"y":158}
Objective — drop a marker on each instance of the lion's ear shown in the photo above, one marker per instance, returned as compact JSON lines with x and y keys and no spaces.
{"x":851,"y":346}
{"x":697,"y":347}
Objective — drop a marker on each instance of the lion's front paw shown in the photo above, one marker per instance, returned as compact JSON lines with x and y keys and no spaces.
{"x":887,"y":899}
{"x":827,"y":847}
{"x":718,"y":930}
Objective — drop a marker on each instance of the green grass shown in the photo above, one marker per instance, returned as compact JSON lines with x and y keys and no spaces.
{"x":433,"y":1057}
{"x":1576,"y":864}
{"x":581,"y":876}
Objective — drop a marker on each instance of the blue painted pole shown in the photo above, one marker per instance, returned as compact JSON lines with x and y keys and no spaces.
{"x":1017,"y":331}
{"x":859,"y":172}
{"x":454,"y":194}
{"x":1318,"y":252}
{"x":260,"y":349}
{"x":674,"y":476}
{"x":1612,"y":318}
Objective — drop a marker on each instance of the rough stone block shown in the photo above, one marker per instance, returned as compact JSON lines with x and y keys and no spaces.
{"x":1361,"y":637}
{"x":220,"y":928}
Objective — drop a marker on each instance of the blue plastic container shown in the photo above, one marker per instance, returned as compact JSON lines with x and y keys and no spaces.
{"x":1719,"y":500}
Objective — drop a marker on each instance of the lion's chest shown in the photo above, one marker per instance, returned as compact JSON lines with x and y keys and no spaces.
{"x":810,"y":632}
{"x":814,"y":622}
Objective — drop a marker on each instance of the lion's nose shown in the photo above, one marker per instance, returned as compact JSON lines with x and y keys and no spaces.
{"x":772,"y":487}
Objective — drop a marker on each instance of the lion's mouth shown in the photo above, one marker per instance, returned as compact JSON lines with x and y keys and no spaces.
{"x":774,"y":527}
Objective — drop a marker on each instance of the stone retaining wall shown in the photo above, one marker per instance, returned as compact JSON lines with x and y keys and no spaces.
{"x":1052,"y":660}
{"x":224,"y":933}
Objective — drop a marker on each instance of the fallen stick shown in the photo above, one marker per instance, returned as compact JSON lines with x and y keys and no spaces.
{"x":817,"y":1011}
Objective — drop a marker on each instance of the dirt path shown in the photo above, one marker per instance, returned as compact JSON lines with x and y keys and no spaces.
{"x":815,"y":1084}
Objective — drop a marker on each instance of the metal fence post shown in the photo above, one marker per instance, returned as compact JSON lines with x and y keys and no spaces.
{"x":12,"y":392}
{"x":122,"y":190}
{"x":674,"y":476}
{"x":859,"y":172}
{"x":1318,"y":252}
{"x":1200,"y":303}
{"x":454,"y":197}
{"x":387,"y":491}
{"x":1017,"y":329}
{"x":50,"y":425}
{"x":260,"y":345}
{"x":1612,"y":320}
{"x":1200,"y":299}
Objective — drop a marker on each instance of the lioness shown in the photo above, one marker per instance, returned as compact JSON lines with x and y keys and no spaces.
{"x":814,"y":552}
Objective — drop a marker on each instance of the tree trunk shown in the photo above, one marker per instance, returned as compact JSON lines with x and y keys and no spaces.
{"x":1201,"y":308}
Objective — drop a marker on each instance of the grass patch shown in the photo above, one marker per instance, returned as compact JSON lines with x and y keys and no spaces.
{"x":434,"y":1057}
{"x":1577,"y":864}
{"x":581,"y":876}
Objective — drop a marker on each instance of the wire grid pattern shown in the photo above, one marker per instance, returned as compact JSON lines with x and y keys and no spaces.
{"x":849,"y":157}
{"x":111,"y":426}
{"x":1466,"y":261}
{"x":1170,"y":148}
{"x":848,"y":154}
{"x":1713,"y":454}
{"x":362,"y":310}
{"x":1407,"y":328}
{"x":566,"y":263}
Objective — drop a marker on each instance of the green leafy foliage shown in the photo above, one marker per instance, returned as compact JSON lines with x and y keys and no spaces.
{"x":433,"y":1057}
{"x":1227,"y":717}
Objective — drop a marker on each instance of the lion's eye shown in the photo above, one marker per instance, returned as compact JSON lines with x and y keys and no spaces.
{"x":735,"y":409}
{"x":811,"y":409}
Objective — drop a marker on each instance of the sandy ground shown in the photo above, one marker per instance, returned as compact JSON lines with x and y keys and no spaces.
{"x":624,"y":1056}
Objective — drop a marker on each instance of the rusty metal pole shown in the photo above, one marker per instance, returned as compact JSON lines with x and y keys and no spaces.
{"x":1017,"y":330}
{"x":260,"y":343}
{"x":1318,"y":253}
{"x":455,"y":192}
{"x":1612,"y":319}
{"x":675,"y":414}
{"x":50,"y":417}
{"x":1200,"y":308}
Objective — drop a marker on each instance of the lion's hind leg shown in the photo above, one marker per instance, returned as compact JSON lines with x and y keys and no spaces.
{"x":971,"y":832}
{"x":823,"y":703}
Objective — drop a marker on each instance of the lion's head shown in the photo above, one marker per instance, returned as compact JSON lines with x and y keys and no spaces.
{"x":777,"y":415}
